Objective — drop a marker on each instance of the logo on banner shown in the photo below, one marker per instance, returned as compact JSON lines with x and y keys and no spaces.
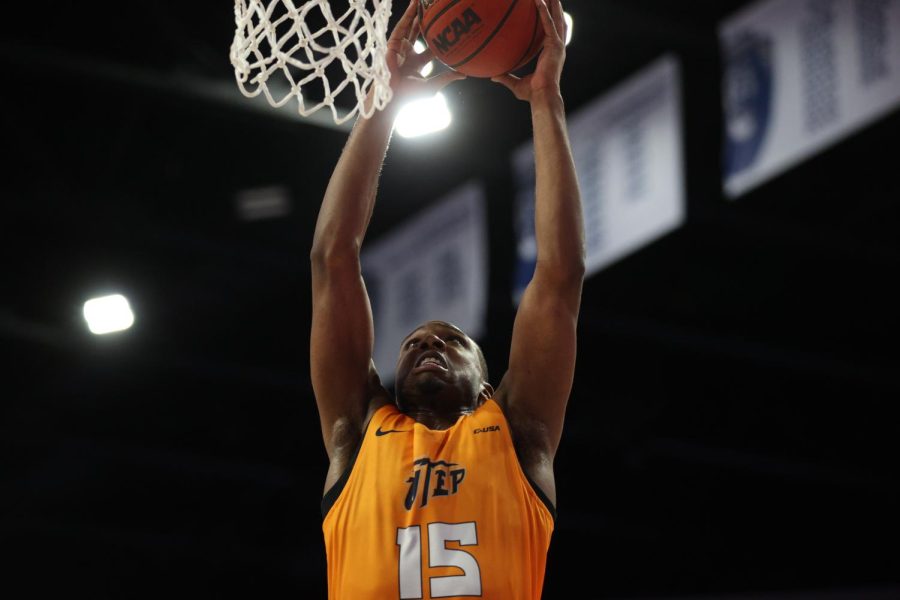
{"x":749,"y":81}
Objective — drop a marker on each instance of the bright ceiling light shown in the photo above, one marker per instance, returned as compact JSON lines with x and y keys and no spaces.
{"x":421,"y":117}
{"x":569,"y":26}
{"x":419,"y":47}
{"x":108,"y":314}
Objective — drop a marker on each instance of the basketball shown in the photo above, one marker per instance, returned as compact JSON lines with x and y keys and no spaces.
{"x":482,"y":38}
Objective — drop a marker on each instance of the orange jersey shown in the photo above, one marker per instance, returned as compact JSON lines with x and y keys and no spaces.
{"x":436,"y":514}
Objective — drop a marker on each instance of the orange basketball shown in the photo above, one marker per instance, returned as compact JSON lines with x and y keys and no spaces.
{"x":482,"y":38}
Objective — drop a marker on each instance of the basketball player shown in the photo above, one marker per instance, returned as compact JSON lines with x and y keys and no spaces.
{"x":446,"y":490}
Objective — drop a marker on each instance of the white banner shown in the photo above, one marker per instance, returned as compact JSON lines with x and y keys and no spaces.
{"x":799,"y":76}
{"x":432,"y":268}
{"x":628,"y":155}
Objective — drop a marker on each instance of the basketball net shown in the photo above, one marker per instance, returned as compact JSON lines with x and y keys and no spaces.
{"x":282,"y":47}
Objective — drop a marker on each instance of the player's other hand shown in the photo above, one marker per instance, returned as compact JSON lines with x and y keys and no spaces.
{"x":547,"y":73}
{"x":405,"y":65}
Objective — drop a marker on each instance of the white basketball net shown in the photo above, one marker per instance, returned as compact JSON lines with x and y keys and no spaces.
{"x":283,"y":47}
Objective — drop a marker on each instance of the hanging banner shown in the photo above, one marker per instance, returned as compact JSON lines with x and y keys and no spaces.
{"x":431,"y":268}
{"x":628,"y":155}
{"x":799,"y":76}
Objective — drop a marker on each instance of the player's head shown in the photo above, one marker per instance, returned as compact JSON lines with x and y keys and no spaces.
{"x":439,"y":363}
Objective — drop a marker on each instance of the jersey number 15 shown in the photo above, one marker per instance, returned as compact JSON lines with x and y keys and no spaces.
{"x":410,"y":542}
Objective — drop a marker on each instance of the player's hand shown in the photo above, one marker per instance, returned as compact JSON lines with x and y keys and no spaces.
{"x":404,"y":64}
{"x":548,"y":71}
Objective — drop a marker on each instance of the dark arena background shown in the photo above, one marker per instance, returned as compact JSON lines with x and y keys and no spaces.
{"x":732,"y":431}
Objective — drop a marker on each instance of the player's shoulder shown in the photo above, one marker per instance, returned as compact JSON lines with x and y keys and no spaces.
{"x":529,"y":439}
{"x":529,"y":434}
{"x":378,"y":395}
{"x":379,"y":403}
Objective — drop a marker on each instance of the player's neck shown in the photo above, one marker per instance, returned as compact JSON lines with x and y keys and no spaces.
{"x":438,"y":407}
{"x":437,"y":419}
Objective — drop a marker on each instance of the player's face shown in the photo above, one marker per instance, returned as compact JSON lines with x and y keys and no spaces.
{"x":436,"y":355}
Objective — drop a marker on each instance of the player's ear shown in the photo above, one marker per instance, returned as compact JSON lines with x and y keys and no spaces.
{"x":487,"y":391}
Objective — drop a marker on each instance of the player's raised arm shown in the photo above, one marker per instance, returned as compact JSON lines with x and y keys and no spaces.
{"x":342,"y":338}
{"x":342,"y":334}
{"x":536,"y":388}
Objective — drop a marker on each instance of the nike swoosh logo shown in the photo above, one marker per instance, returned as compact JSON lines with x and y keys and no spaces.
{"x":380,"y":433}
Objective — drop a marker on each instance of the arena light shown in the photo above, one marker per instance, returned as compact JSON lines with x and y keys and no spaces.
{"x":570,"y":25}
{"x":421,"y":117}
{"x":108,"y":314}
